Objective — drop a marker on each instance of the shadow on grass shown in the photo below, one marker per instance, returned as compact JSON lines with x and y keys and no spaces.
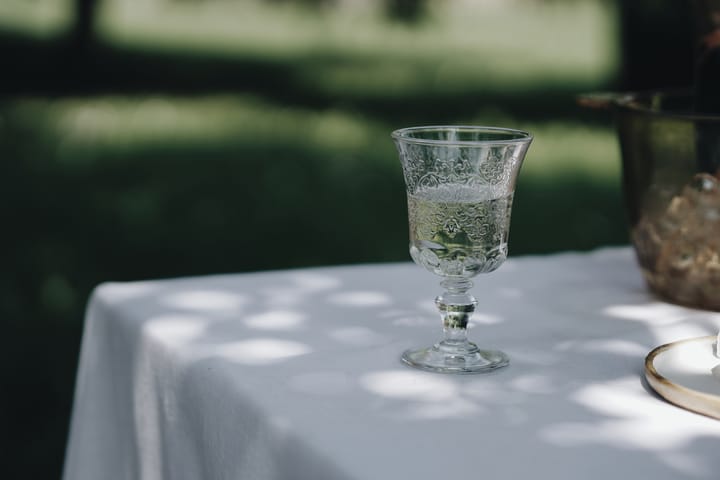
{"x":54,"y":69}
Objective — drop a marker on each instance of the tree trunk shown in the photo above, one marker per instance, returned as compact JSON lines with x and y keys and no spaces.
{"x":657,"y":44}
{"x":83,"y":34}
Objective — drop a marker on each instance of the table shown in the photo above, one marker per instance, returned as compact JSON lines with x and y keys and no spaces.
{"x":296,"y":375}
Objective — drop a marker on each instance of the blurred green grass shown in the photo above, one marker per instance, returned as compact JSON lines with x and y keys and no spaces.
{"x":39,"y":19}
{"x":460,"y":45}
{"x":211,"y":137}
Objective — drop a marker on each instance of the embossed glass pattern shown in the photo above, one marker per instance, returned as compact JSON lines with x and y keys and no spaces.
{"x":460,"y":183}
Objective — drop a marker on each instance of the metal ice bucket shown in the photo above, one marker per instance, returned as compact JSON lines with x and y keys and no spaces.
{"x":671,"y":180}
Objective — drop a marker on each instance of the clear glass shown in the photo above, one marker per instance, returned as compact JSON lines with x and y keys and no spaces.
{"x":460,"y":182}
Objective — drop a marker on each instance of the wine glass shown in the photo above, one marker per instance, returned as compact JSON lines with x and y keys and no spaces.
{"x":460,"y":182}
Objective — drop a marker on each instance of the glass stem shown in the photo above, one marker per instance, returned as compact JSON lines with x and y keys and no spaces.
{"x":456,"y":307}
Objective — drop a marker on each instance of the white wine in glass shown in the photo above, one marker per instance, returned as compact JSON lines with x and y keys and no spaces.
{"x":460,"y":184}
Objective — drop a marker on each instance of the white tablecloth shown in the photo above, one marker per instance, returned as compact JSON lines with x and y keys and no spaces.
{"x":296,"y":375}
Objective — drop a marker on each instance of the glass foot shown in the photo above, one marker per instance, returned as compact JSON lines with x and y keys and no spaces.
{"x":465,"y":359}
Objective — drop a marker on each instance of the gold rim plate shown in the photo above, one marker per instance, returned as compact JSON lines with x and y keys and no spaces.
{"x":687,"y":374}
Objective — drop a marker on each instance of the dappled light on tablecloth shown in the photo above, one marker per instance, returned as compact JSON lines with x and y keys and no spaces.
{"x":206,"y":300}
{"x":275,"y":320}
{"x":176,"y":329}
{"x":299,"y":288}
{"x":120,"y":292}
{"x":360,"y":299}
{"x":427,"y":397}
{"x":629,"y":418}
{"x":407,"y":384}
{"x":259,"y":351}
{"x":655,"y":313}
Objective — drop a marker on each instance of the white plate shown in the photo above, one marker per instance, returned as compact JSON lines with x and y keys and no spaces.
{"x":687,"y":373}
